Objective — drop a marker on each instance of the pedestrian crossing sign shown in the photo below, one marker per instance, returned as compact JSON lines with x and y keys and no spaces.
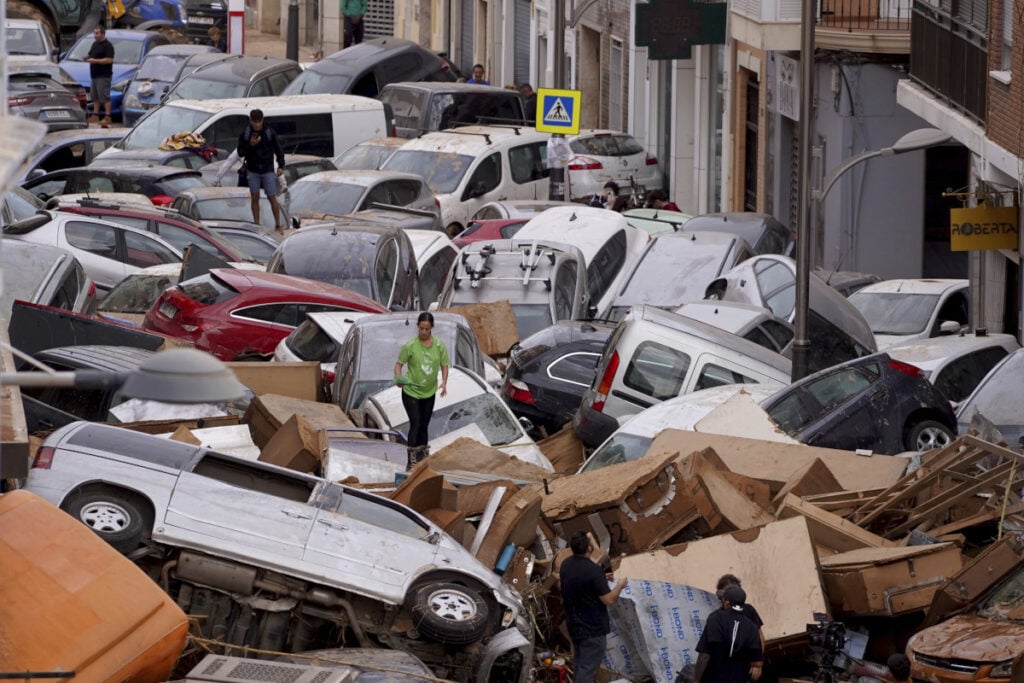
{"x":558,"y":111}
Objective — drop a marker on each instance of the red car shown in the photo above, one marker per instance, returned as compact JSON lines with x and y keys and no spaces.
{"x":490,"y":229}
{"x":242,"y":315}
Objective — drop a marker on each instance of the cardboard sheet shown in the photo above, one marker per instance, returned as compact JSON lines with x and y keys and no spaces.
{"x":740,"y":415}
{"x":765,"y":559}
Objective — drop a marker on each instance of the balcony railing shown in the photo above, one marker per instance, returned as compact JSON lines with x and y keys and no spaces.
{"x":865,"y":15}
{"x":949,"y":58}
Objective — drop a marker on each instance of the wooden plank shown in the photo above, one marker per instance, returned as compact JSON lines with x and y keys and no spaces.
{"x":735,"y":510}
{"x":829,"y":530}
{"x":814,"y":477}
{"x":980,"y":518}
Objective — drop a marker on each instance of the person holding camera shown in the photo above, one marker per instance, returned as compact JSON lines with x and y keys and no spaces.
{"x":729,"y":650}
{"x":258,"y":146}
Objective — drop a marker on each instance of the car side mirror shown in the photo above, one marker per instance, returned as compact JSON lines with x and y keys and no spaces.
{"x":949,"y":327}
{"x":526,"y":424}
{"x":295,"y":223}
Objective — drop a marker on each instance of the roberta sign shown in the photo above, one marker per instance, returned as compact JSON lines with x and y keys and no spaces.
{"x":983,"y":228}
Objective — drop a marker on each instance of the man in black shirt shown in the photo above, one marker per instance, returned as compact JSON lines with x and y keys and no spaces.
{"x":258,"y":146}
{"x":101,"y":70}
{"x":585,"y":598}
{"x":729,"y":648}
{"x":748,"y":610}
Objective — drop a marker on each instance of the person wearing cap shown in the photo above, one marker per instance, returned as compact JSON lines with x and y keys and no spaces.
{"x":729,"y":650}
{"x":748,"y":610}
{"x":585,"y":599}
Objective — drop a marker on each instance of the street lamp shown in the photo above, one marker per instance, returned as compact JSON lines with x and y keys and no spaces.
{"x":913,"y":141}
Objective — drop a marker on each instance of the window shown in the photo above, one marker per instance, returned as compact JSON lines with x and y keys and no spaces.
{"x":575,"y":368}
{"x":130,"y":221}
{"x":628,"y":146}
{"x":88,"y":182}
{"x":261,"y":88}
{"x":486,"y":177}
{"x":837,"y":388}
{"x":712,"y":375}
{"x":224,"y":132}
{"x":777,"y":285}
{"x":954,"y":308}
{"x":528,"y":162}
{"x":268,"y":313}
{"x":657,"y":371}
{"x":309,"y":342}
{"x":403,"y":192}
{"x":243,"y":475}
{"x":373,"y":511}
{"x":957,"y":380}
{"x":781,"y":333}
{"x":433,"y":273}
{"x":1006,"y":51}
{"x":790,"y":413}
{"x":278,"y":81}
{"x":565,"y":290}
{"x":605,"y":266}
{"x":142,"y":252}
{"x":386,"y":270}
{"x":93,"y":238}
{"x":304,"y":133}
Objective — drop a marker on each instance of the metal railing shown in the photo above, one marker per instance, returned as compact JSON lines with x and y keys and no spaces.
{"x":865,"y":15}
{"x":949,"y":58}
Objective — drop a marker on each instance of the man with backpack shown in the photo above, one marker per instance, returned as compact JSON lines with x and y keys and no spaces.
{"x":258,"y":146}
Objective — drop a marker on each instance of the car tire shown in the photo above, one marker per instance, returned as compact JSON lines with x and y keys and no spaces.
{"x":926,"y":435}
{"x":118,"y":517}
{"x":452,"y":230}
{"x":449,"y":613}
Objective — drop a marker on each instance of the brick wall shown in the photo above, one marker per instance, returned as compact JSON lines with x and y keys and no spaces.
{"x":1004,"y":121}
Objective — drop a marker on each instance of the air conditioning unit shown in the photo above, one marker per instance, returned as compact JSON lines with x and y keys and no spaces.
{"x":224,"y":669}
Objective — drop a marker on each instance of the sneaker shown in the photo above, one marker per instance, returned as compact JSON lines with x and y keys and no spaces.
{"x":105,"y":123}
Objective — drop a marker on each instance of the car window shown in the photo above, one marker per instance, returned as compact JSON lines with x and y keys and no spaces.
{"x":487,"y":176}
{"x":278,"y":81}
{"x":432,"y":275}
{"x":465,"y":350}
{"x":509,"y":231}
{"x":269,"y":313}
{"x":404,"y":191}
{"x":310,"y":342}
{"x":70,"y":287}
{"x":954,"y":308}
{"x":48,"y":188}
{"x":771,"y":242}
{"x":261,"y":88}
{"x":175,"y":185}
{"x":243,"y":475}
{"x":782,"y":334}
{"x":178,"y":162}
{"x":606,"y":264}
{"x":385,"y":271}
{"x":628,"y":145}
{"x":366,"y":85}
{"x":565,"y":290}
{"x":758,"y":336}
{"x":778,"y":288}
{"x":487,"y":213}
{"x":958,"y":379}
{"x":575,"y":368}
{"x":712,"y":375}
{"x":130,"y":221}
{"x":142,"y":251}
{"x":305,"y":133}
{"x":599,"y":145}
{"x":89,"y":183}
{"x":657,"y":370}
{"x":92,"y":237}
{"x":791,"y":413}
{"x":528,"y":162}
{"x":179,"y":238}
{"x":837,"y":388}
{"x":225,"y":131}
{"x":372,"y":511}
{"x":406,"y":106}
{"x":442,"y":171}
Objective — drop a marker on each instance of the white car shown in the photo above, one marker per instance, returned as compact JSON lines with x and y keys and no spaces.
{"x":600,"y":156}
{"x":902,"y":310}
{"x":435,"y":253}
{"x":955,"y":364}
{"x":471,"y":408}
{"x":470,"y":166}
{"x":609,"y":244}
{"x":338,"y":193}
{"x":656,"y":221}
{"x":108,"y":251}
{"x":27,"y":41}
{"x":755,"y":323}
{"x":368,"y":155}
{"x":631,"y":441}
{"x":318,"y":338}
{"x":515,"y":208}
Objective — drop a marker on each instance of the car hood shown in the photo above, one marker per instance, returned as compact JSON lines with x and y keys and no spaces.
{"x":972,"y":638}
{"x":80,"y":72}
{"x":884,"y":341}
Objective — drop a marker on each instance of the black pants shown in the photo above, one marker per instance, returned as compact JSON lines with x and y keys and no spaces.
{"x":419,"y":411}
{"x":353,"y":32}
{"x":587,"y":657}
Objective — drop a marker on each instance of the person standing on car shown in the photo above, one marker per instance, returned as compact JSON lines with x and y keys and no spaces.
{"x":585,"y":599}
{"x":352,"y":12}
{"x":101,"y":70}
{"x":729,"y":648}
{"x":424,"y":355}
{"x":258,"y":146}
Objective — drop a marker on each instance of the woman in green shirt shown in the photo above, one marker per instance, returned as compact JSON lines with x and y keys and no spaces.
{"x":424,"y":355}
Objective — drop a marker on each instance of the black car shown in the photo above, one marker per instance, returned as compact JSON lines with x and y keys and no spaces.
{"x":69,"y":149}
{"x":549,"y":371}
{"x":38,"y":97}
{"x":365,"y":68}
{"x":874,"y":403}
{"x":374,"y":260}
{"x":160,"y":183}
{"x":236,"y":76}
{"x":181,"y":158}
{"x":423,"y":107}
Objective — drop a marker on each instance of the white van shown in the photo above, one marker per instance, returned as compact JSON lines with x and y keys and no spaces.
{"x":654,"y":355}
{"x":324,"y":125}
{"x":470,"y":166}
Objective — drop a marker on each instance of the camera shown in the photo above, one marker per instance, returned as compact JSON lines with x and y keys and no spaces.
{"x":827,"y":635}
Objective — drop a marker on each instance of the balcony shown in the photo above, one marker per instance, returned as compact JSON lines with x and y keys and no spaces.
{"x":949,"y":57}
{"x":875,"y":26}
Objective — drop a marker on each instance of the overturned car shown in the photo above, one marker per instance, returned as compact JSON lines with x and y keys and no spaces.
{"x":280,"y":561}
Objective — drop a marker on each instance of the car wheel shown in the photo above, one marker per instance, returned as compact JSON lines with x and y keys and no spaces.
{"x":118,"y":517}
{"x":453,"y":229}
{"x":926,"y":435}
{"x":449,"y":613}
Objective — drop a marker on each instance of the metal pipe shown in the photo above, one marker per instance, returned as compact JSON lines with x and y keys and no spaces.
{"x":805,"y":230}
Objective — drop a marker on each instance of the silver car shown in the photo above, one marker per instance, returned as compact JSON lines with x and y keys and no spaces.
{"x":337,"y":193}
{"x":274,"y":556}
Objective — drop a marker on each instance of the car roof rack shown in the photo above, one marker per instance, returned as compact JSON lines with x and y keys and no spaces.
{"x":476,"y":268}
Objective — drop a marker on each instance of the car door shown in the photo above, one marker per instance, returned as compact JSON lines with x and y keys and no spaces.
{"x":846,"y":401}
{"x":49,"y":185}
{"x":385,"y":272}
{"x":139,"y":250}
{"x":367,"y":543}
{"x":241,"y":508}
{"x":484,"y":184}
{"x":528,"y":168}
{"x":95,"y":245}
{"x":656,"y":371}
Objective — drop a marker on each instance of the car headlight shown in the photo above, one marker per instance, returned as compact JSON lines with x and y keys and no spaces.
{"x":1002,"y":669}
{"x":132,"y":100}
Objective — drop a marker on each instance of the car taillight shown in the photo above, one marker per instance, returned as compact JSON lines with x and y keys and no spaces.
{"x":605,"y":385}
{"x":92,"y":289}
{"x":162,"y":200}
{"x":584,"y":164}
{"x":652,"y":161}
{"x":20,"y":100}
{"x":329,"y":377}
{"x":518,"y":391}
{"x":906,"y":368}
{"x":44,"y":458}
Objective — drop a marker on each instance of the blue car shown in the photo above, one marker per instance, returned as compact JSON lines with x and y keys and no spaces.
{"x":130,"y":48}
{"x":161,"y":69}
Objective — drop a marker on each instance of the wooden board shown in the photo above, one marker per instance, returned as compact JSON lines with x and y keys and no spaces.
{"x":814,"y":477}
{"x":829,"y":530}
{"x":493,"y":323}
{"x":564,"y":449}
{"x":734,"y":510}
{"x":465,"y":454}
{"x":777,"y":554}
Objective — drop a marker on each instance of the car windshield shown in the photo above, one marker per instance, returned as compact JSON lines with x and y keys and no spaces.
{"x":363,"y":157}
{"x":486,"y":411}
{"x":531,"y":318}
{"x":251,"y":244}
{"x":653,"y":281}
{"x":22,"y":203}
{"x":895,"y":312}
{"x":310,"y":197}
{"x":125,"y":51}
{"x":1007,"y":601}
{"x":312,"y":81}
{"x":999,"y":397}
{"x":618,"y":448}
{"x":345,"y":263}
{"x":442,"y":171}
{"x":235,"y":208}
{"x":21,"y":41}
{"x":160,"y":68}
{"x":310,"y":342}
{"x":172,"y":186}
{"x":136,"y":293}
{"x":197,"y":88}
{"x":160,"y":124}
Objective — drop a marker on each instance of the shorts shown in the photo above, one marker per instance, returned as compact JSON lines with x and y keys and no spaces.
{"x":268,"y":181}
{"x":99,"y":91}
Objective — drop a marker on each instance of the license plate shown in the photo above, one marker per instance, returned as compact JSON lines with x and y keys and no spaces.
{"x":168,"y":309}
{"x":56,"y":114}
{"x":201,"y":20}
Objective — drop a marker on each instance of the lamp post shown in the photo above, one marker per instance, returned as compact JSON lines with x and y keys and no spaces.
{"x":913,"y":141}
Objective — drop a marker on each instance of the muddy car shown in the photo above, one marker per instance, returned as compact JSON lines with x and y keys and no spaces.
{"x":284,"y":561}
{"x":984,"y":641}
